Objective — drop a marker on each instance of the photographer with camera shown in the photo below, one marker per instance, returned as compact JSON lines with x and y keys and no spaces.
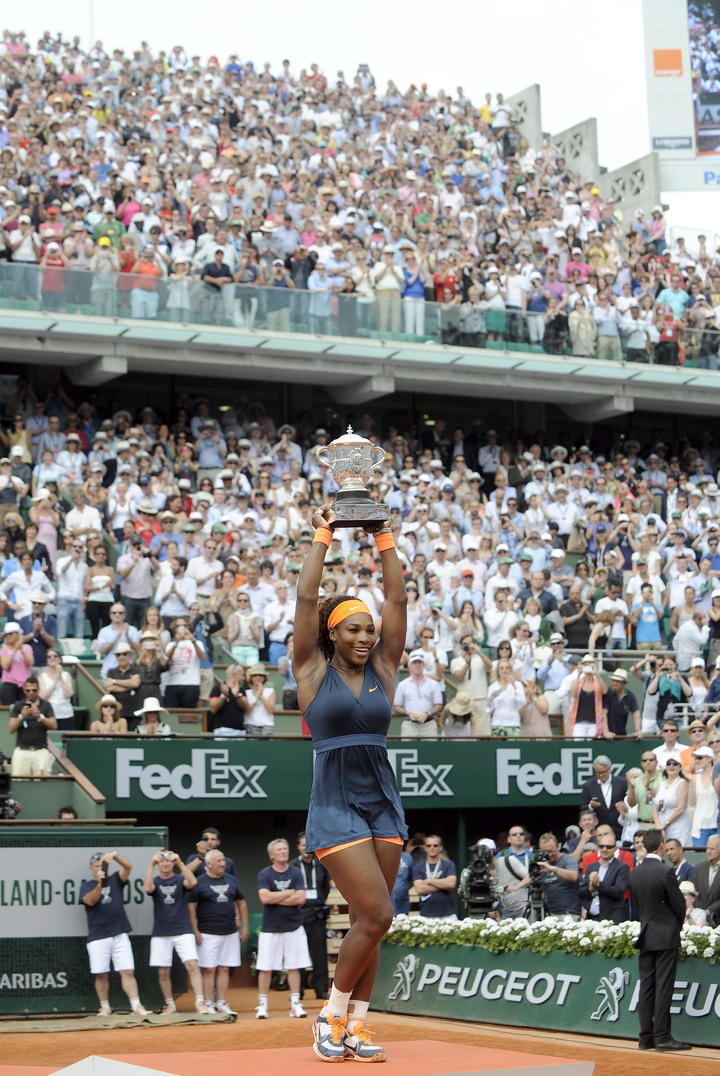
{"x":471,"y":668}
{"x":479,"y":886}
{"x":512,"y":871}
{"x":182,"y":680}
{"x":228,"y":703}
{"x":9,"y":807}
{"x":172,"y":931}
{"x":108,"y":929}
{"x":30,"y":718}
{"x":671,"y":689}
{"x":135,"y":572}
{"x":553,"y":881}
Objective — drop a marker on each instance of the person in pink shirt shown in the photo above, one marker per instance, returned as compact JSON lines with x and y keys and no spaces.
{"x":577,"y":262}
{"x":16,"y":660}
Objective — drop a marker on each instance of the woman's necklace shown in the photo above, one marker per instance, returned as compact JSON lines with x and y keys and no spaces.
{"x":350,"y":672}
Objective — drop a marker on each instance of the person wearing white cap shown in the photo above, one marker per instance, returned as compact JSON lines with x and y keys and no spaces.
{"x":702,"y":798}
{"x":418,"y":700}
{"x":38,"y":628}
{"x":619,"y":704}
{"x":670,"y":807}
{"x":694,"y":917}
{"x":25,"y":247}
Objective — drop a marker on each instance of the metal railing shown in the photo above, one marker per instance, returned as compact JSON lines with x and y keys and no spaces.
{"x":188,"y":300}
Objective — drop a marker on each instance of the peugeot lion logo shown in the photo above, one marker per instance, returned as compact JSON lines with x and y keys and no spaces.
{"x":611,"y":989}
{"x":405,"y":972}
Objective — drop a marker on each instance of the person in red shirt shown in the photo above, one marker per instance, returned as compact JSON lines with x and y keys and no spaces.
{"x":54,"y":262}
{"x":667,"y":349}
{"x":146,"y":525}
{"x":444,"y":278}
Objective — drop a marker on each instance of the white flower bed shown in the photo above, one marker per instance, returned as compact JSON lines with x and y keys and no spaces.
{"x":553,"y":934}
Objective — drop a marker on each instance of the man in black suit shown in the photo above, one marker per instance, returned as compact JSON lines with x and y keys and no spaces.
{"x":602,"y":792}
{"x":660,"y":905}
{"x":706,"y":877}
{"x":602,"y":889}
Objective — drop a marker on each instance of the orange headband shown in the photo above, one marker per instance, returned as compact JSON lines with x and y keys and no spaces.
{"x":345,"y":609}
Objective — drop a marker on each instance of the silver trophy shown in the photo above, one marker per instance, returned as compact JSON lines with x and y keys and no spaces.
{"x":351,"y":460}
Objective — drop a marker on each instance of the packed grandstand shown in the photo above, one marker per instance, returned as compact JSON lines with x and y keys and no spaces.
{"x":172,"y":187}
{"x":168,"y":186}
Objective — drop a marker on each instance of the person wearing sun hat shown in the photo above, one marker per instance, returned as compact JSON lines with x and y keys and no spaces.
{"x":108,"y":722}
{"x":456,"y":715}
{"x":150,"y":723}
{"x":259,"y":716}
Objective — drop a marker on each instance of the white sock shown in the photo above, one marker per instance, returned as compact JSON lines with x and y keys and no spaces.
{"x":337,"y":1003}
{"x":199,"y":999}
{"x":105,"y":1007}
{"x":358,"y":1010}
{"x":294,"y":999}
{"x":134,"y":1003}
{"x":262,"y":999}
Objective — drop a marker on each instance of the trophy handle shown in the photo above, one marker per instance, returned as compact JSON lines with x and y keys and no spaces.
{"x":378,"y":456}
{"x":323,"y":456}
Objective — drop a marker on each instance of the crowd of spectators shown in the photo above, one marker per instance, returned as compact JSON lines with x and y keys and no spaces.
{"x":194,"y":189}
{"x":169,"y":544}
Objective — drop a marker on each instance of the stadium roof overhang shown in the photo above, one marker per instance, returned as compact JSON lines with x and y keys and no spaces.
{"x":95,"y":351}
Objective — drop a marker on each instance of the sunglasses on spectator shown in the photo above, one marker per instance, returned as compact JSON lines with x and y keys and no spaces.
{"x":672,"y":763}
{"x":602,"y":846}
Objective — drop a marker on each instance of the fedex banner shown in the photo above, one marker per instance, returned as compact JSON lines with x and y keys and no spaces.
{"x":187,"y":774}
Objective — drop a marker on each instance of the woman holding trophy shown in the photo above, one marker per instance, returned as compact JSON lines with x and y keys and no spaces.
{"x":346,"y":679}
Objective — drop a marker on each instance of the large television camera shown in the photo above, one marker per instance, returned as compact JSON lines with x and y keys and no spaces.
{"x":538,"y":858}
{"x":478,"y":885}
{"x":9,"y":807}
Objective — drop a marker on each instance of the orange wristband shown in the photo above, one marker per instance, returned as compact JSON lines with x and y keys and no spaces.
{"x":324,"y":535}
{"x":384,"y":541}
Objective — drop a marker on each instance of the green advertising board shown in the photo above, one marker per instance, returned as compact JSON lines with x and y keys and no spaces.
{"x":43,"y":959}
{"x":593,"y":994}
{"x":259,"y":775}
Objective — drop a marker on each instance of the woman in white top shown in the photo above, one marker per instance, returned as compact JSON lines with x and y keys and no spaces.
{"x":99,"y":596}
{"x":698,"y":684}
{"x":505,"y":698}
{"x":523,"y":650}
{"x":702,"y":798}
{"x":670,"y":807}
{"x":260,"y":714}
{"x":56,"y":687}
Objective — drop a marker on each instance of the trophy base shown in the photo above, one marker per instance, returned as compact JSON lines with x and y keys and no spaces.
{"x":349,"y":513}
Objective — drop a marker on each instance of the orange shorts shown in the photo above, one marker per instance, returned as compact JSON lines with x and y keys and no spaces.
{"x":322,"y":852}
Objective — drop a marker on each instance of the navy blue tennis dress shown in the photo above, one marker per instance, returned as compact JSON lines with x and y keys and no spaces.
{"x":354,"y":791}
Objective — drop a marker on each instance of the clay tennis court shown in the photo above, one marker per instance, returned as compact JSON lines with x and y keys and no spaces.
{"x":416,"y":1046}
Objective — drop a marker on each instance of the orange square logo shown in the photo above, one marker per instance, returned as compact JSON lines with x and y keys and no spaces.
{"x":667,"y":63}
